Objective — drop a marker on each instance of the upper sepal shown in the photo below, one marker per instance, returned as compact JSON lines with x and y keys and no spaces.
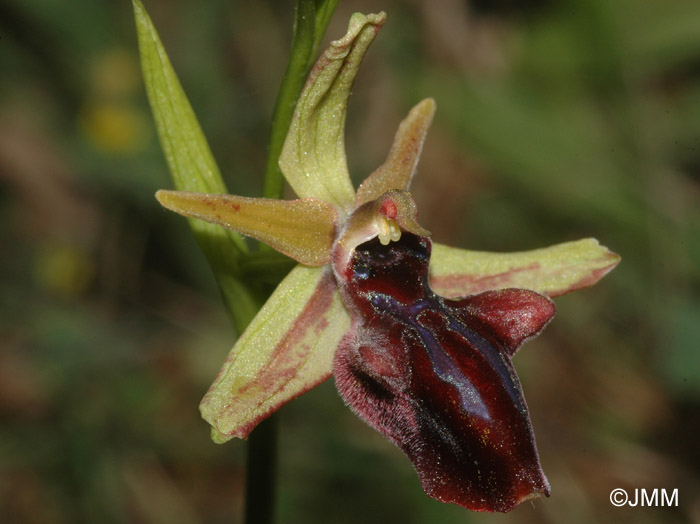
{"x":286,"y":350}
{"x":313,"y":157}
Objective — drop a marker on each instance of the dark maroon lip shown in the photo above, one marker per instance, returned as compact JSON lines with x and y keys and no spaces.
{"x":435,"y":375}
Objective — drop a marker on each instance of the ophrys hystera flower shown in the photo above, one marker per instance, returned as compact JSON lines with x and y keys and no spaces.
{"x":374,"y":301}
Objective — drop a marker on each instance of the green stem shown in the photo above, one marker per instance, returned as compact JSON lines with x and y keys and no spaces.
{"x":261,"y":470}
{"x":310,"y":23}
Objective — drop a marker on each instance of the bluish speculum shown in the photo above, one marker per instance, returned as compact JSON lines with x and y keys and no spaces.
{"x":435,"y":375}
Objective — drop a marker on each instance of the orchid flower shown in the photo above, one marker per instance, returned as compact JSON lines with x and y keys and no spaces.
{"x":419,"y":336}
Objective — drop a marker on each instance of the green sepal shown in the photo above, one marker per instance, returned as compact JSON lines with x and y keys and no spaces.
{"x":553,"y":271}
{"x":313,"y":157}
{"x":286,"y":350}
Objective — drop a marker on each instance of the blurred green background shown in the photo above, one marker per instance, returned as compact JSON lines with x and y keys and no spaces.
{"x":557,"y":120}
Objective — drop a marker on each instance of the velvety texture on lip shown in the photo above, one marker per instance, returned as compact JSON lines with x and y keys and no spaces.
{"x":435,"y":376}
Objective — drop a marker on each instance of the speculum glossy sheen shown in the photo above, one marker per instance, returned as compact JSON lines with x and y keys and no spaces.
{"x":435,"y":375}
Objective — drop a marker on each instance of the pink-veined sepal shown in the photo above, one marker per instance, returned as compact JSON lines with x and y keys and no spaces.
{"x":552,"y":271}
{"x":286,"y":350}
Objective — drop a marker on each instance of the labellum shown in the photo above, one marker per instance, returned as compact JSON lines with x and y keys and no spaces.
{"x":435,"y":377}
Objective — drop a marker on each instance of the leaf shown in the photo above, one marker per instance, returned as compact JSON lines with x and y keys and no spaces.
{"x":191,"y":164}
{"x":553,"y":271}
{"x":313,"y":157}
{"x":301,"y":229}
{"x":287,"y":349}
{"x":400,"y":166}
{"x":186,"y":150}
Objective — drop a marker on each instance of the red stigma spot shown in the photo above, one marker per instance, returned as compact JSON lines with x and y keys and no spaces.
{"x":236,"y":207}
{"x":388,"y":209}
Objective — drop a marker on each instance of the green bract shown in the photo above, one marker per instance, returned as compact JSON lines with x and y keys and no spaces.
{"x":288,"y":347}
